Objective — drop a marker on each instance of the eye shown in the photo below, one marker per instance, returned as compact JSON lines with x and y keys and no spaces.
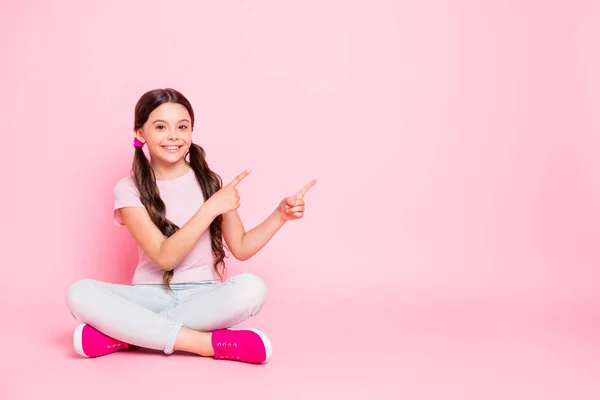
{"x":159,"y":127}
{"x":183,"y":127}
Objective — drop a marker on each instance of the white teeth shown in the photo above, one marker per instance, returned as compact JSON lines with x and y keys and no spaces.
{"x":171,"y":147}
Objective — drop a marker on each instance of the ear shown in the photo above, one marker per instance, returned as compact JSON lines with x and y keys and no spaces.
{"x":139,"y":134}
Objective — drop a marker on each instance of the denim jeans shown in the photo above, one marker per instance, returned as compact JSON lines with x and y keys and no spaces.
{"x":151,"y":316}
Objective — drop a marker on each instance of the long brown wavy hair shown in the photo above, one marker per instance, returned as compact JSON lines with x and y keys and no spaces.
{"x":145,"y":179}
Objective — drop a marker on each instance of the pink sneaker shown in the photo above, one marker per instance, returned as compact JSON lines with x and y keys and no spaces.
{"x":245,"y":345}
{"x":89,"y":342}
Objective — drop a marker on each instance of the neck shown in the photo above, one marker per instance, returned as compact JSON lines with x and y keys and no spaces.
{"x":170,"y":171}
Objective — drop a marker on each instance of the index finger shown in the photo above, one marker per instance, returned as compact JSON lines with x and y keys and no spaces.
{"x":236,"y":181}
{"x":306,"y":188}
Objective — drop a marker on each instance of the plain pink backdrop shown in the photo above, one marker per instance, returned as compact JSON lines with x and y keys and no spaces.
{"x":449,"y":250}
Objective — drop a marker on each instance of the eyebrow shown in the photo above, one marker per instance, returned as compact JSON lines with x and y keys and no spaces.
{"x":165,"y":122}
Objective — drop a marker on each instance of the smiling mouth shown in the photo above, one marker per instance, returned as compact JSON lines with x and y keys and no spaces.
{"x":171,"y":149}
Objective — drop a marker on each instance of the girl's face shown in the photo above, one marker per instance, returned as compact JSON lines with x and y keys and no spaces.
{"x":167,"y":133}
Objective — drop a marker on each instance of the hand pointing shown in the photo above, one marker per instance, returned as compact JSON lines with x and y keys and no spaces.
{"x":227,"y":198}
{"x":292,"y":207}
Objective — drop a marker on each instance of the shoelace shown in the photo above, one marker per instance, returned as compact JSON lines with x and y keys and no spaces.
{"x":227,"y":350}
{"x":115,"y":343}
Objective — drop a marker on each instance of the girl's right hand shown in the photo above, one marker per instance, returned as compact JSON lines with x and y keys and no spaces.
{"x":227,"y":198}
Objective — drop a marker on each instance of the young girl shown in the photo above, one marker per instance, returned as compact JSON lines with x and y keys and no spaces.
{"x":178,"y":212}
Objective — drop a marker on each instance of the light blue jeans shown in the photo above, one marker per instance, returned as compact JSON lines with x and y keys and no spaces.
{"x":150,"y":316}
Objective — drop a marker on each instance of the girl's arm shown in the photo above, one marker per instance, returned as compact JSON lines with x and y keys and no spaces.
{"x":167,"y":253}
{"x":244,"y":245}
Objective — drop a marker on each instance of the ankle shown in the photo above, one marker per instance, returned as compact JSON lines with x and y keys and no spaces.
{"x":193,"y":341}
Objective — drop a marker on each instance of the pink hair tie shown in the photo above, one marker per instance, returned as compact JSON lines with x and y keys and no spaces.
{"x":137,"y":143}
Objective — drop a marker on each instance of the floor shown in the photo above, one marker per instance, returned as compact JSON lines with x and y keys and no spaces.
{"x":353,"y":352}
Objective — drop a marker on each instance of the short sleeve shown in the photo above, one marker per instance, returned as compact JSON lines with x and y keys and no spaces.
{"x":125,"y":194}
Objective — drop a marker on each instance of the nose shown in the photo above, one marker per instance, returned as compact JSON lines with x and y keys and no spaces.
{"x":172,"y":134}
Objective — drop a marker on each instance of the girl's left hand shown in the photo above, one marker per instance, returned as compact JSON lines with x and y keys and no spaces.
{"x":292,"y":207}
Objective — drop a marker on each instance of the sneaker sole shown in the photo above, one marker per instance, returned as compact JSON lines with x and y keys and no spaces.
{"x":265,"y":339}
{"x":78,"y":340}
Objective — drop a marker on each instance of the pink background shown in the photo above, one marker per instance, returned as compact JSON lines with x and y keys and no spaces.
{"x":449,"y":250}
